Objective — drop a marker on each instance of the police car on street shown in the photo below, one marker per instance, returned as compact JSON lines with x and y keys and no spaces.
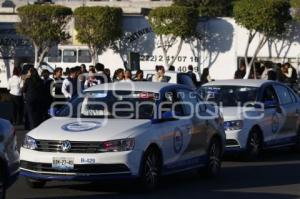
{"x":131,"y":130}
{"x":258,"y":114}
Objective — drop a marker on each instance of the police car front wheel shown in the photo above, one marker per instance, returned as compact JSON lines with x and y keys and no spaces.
{"x":150,"y":171}
{"x":254,"y":147}
{"x":213,"y":166}
{"x":35,"y":183}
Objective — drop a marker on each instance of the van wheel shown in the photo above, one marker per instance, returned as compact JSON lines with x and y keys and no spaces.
{"x":2,"y":183}
{"x":254,"y":146}
{"x":36,"y":183}
{"x":150,"y":170}
{"x":213,"y":166}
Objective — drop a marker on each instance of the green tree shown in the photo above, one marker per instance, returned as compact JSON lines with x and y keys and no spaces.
{"x":266,"y":18}
{"x":209,"y":8}
{"x":172,"y":24}
{"x":296,"y":9}
{"x":98,"y":27}
{"x":45,"y":26}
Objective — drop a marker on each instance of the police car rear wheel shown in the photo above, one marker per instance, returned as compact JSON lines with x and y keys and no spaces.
{"x":213,"y":166}
{"x":150,"y":170}
{"x":35,"y":183}
{"x":254,"y":145}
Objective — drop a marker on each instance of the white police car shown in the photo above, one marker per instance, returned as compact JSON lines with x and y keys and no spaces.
{"x":258,"y":114}
{"x":125,"y":130}
{"x":9,"y":156}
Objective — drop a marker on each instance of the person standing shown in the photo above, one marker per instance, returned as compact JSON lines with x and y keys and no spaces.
{"x":69,"y":85}
{"x":118,"y":75}
{"x":127,"y":76}
{"x":240,"y":72}
{"x":33,"y":90}
{"x":192,"y":74}
{"x":48,"y":99}
{"x":91,"y":79}
{"x":205,"y":77}
{"x":139,"y":76}
{"x":107,"y":73}
{"x":56,"y":87}
{"x":15,"y":85}
{"x":160,"y":75}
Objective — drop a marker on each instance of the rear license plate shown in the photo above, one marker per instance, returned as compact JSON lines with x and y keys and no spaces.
{"x":63,"y":164}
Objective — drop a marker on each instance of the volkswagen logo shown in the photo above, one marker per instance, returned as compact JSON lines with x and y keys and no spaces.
{"x":66,"y":146}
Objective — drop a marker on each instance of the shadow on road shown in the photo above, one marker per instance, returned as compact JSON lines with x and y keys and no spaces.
{"x":188,"y":185}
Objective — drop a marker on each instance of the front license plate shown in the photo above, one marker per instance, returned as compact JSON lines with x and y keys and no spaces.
{"x":63,"y":164}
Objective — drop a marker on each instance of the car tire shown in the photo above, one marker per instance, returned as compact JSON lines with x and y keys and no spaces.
{"x":35,"y":183}
{"x":150,"y":170}
{"x":254,"y":145}
{"x":2,"y":183}
{"x":213,"y":166}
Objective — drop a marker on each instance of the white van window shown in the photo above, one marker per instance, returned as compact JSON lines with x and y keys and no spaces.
{"x":69,"y":56}
{"x":54,"y":57}
{"x":84,"y":56}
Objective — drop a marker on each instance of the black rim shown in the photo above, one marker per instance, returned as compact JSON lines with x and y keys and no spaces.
{"x":151,"y":170}
{"x":254,"y":144}
{"x":214,"y":158}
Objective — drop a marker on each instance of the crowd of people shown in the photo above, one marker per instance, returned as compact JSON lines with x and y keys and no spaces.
{"x":32,"y":94}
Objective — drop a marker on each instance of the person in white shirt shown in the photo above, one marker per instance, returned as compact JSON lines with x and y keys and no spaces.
{"x":69,"y":84}
{"x":15,"y":85}
{"x":91,"y":79}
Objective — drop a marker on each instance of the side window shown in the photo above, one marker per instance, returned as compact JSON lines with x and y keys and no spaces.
{"x":54,"y":57}
{"x":84,"y":56}
{"x":283,"y":94}
{"x":189,"y":101}
{"x":269,"y":96}
{"x":69,"y":56}
{"x":169,"y":99}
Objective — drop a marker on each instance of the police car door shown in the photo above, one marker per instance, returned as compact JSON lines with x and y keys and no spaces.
{"x":289,"y":110}
{"x":273,"y":115}
{"x":197,"y":135}
{"x":176,"y":133}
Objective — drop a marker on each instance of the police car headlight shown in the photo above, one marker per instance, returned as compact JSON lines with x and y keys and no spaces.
{"x":233,"y":125}
{"x":29,"y":143}
{"x":118,"y":145}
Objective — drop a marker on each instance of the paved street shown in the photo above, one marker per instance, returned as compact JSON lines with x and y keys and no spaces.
{"x":276,"y":176}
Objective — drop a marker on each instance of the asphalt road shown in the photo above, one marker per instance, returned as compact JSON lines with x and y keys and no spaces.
{"x":276,"y":176}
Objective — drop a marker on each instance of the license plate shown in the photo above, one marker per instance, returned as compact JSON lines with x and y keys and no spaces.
{"x":63,"y":164}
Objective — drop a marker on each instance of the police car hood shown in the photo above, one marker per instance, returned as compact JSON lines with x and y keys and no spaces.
{"x":239,"y":113}
{"x":74,"y":129}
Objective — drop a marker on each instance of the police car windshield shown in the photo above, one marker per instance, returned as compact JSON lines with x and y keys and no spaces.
{"x":229,"y":96}
{"x":112,"y":104}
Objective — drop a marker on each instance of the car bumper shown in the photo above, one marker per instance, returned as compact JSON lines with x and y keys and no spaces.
{"x":236,"y":141}
{"x":38,"y":165}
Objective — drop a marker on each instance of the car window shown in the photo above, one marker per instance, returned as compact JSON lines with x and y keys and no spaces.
{"x":84,"y":56}
{"x":54,"y":56}
{"x":186,"y":80}
{"x":283,"y":94}
{"x":69,"y":56}
{"x":189,"y":99}
{"x":269,"y":95}
{"x":172,"y":102}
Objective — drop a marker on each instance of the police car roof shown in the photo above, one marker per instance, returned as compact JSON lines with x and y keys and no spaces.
{"x":154,"y":87}
{"x":238,"y":82}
